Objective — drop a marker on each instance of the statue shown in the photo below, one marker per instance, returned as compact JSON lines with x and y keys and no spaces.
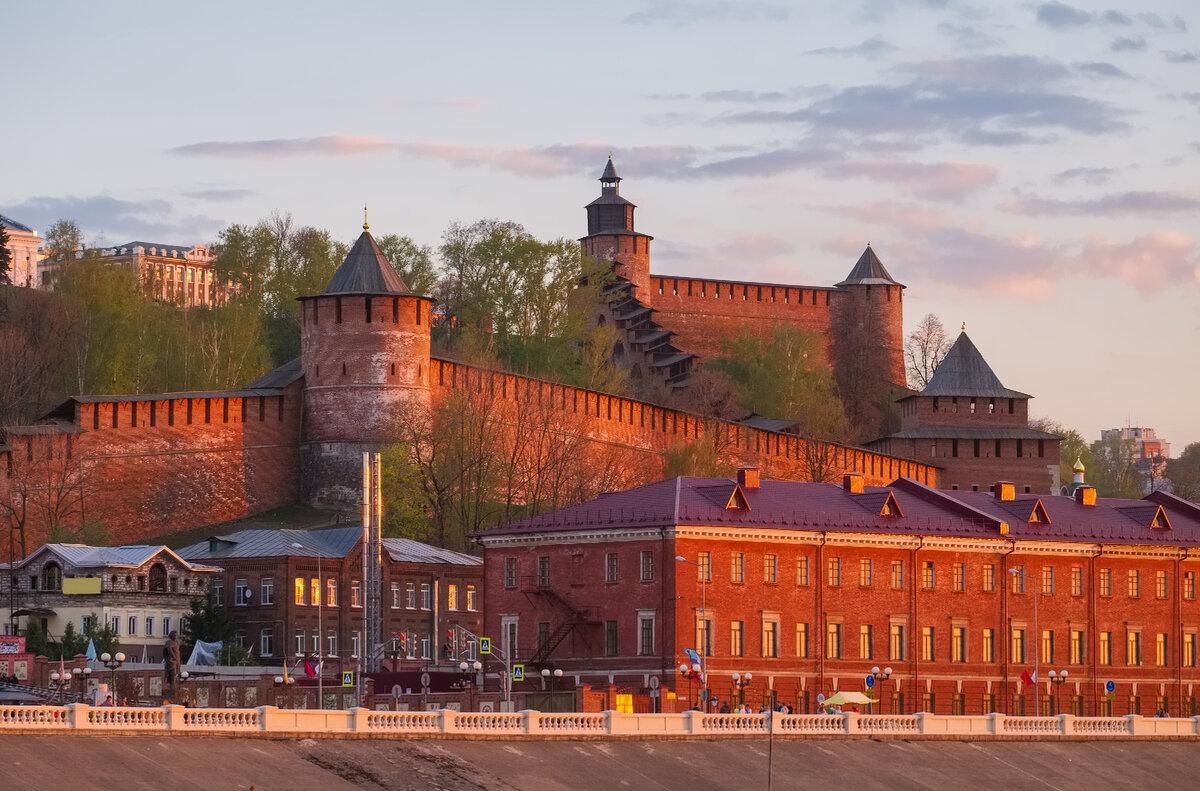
{"x":171,"y":659}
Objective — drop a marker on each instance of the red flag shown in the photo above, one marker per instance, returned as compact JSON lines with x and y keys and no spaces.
{"x":1028,"y":679}
{"x":309,"y":670}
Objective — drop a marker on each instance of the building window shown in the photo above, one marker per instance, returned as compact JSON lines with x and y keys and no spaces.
{"x":426,"y":596}
{"x":267,"y":591}
{"x":802,"y":640}
{"x":927,"y":643}
{"x":865,"y":650}
{"x":315,"y":588}
{"x":989,"y":577}
{"x":1018,"y":580}
{"x":898,"y":574}
{"x":299,"y":641}
{"x":1160,"y":649}
{"x":736,"y":630}
{"x":510,"y":572}
{"x":1077,"y":651}
{"x":410,"y":595}
{"x":356,"y":593}
{"x":646,"y":633}
{"x":1104,"y":644}
{"x":149,"y":626}
{"x":647,"y":565}
{"x":1106,"y":582}
{"x":132,"y":626}
{"x":866,"y":573}
{"x":266,"y":642}
{"x":958,"y":644}
{"x":770,"y":569}
{"x":835,"y":572}
{"x":611,"y":567}
{"x":610,"y":638}
{"x":704,"y":567}
{"x":354,"y":644}
{"x":989,"y":645}
{"x":472,"y":599}
{"x":166,"y":623}
{"x":1016,"y":651}
{"x":1189,"y":649}
{"x":1047,"y":646}
{"x":451,"y":597}
{"x":833,"y":641}
{"x":300,"y":585}
{"x":241,"y":593}
{"x":331,"y":592}
{"x":425,"y":647}
{"x":1076,"y":581}
{"x":1160,"y":584}
{"x":960,"y":577}
{"x":737,"y":567}
{"x":396,"y":597}
{"x":927,"y":575}
{"x":1133,"y":648}
{"x":896,"y":643}
{"x":802,"y":571}
{"x":1135,"y":584}
{"x":1189,"y":584}
{"x":704,"y":635}
{"x":543,"y":571}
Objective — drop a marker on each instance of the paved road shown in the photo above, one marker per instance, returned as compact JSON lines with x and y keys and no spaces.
{"x":83,"y":763}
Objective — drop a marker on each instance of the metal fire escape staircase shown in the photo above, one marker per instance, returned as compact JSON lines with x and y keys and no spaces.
{"x":573,"y":620}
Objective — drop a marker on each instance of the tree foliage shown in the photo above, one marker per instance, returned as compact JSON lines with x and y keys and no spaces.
{"x":6,"y":258}
{"x":1184,"y":473}
{"x":209,"y":622}
{"x":860,"y":367}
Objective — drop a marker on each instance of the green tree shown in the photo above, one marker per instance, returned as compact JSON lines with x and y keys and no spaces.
{"x":209,"y":622}
{"x":100,"y":633}
{"x":36,"y":642}
{"x":1073,"y":447}
{"x":6,"y":258}
{"x":413,"y":262}
{"x":72,"y":643}
{"x":63,"y":239}
{"x":1115,"y":472}
{"x":245,"y":254}
{"x":1184,"y":473}
{"x":404,"y":505}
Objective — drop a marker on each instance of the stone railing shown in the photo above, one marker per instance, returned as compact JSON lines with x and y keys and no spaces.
{"x":275,"y":722}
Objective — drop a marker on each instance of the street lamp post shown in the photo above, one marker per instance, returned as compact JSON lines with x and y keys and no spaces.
{"x":320,"y":602}
{"x":61,"y":681}
{"x":470,"y":669}
{"x":112,"y":663}
{"x":691,"y":674}
{"x":704,"y":630}
{"x":1036,"y":638}
{"x":83,"y":675}
{"x":740,"y":683}
{"x":1056,"y":681}
{"x":880,"y":677}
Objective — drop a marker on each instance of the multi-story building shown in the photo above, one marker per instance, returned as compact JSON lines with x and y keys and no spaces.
{"x":296,"y":592}
{"x":974,"y":428}
{"x":965,"y":596}
{"x":181,"y":274}
{"x":1150,"y":452}
{"x":141,"y":592}
{"x":23,"y":243}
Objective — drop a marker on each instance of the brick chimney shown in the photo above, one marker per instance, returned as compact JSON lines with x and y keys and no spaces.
{"x":1085,"y":495}
{"x":748,"y":477}
{"x":1004,"y":490}
{"x":852,"y":482}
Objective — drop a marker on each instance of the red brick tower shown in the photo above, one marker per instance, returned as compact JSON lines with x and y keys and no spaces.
{"x":876,"y":301}
{"x":364,"y":352}
{"x":611,"y":236}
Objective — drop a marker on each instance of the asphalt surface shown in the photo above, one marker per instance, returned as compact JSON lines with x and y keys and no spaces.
{"x":82,"y":763}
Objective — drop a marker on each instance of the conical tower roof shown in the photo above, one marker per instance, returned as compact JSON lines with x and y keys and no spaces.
{"x":964,"y":372}
{"x":869,"y":271}
{"x":610,"y":172}
{"x":366,"y":270}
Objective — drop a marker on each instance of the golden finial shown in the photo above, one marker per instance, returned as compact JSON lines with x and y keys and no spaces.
{"x":964,"y":327}
{"x":366,"y":225}
{"x":868,"y":244}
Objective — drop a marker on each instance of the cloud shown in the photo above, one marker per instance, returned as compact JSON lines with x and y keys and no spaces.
{"x":1152,"y":263}
{"x":936,"y":181}
{"x":108,"y":220}
{"x":1061,"y":16}
{"x":220,"y":194}
{"x":968,"y":37}
{"x":328,"y":145}
{"x":1117,"y":204}
{"x":1128,"y":44}
{"x":909,"y":217}
{"x":754,"y":247}
{"x":1103,"y":69}
{"x":743,"y":96}
{"x":991,"y":71}
{"x":873,"y":47}
{"x":682,"y":14}
{"x":1087,"y":175}
{"x":1193,"y":98}
{"x":1182,"y":56}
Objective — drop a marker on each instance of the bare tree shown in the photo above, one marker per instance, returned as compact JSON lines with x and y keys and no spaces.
{"x":924,"y":350}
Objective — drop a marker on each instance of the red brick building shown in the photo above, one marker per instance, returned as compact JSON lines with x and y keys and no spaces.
{"x":974,"y":428}
{"x":667,"y":321}
{"x":809,"y":586}
{"x":274,"y":582}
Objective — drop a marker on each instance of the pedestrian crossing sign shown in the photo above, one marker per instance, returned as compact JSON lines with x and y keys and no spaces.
{"x":518,"y":672}
{"x":485,"y":645}
{"x":347,"y":678}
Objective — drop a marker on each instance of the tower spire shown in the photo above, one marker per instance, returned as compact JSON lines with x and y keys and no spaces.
{"x":366,"y":225}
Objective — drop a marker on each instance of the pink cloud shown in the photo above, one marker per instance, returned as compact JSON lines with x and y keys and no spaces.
{"x":896,"y":215}
{"x":936,"y":180}
{"x":327,"y":145}
{"x":1151,"y":263}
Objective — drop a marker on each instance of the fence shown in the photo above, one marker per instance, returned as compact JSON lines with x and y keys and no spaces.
{"x":274,"y":722}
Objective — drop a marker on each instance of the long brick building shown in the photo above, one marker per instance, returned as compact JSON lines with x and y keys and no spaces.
{"x":810,"y":586}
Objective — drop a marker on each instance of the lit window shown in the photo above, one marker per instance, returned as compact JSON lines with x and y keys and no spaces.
{"x":472,"y":600}
{"x":331,"y":592}
{"x":316,"y":592}
{"x":451,"y":597}
{"x":356,"y":594}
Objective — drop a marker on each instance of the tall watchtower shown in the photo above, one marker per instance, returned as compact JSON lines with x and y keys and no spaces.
{"x":873,"y":301}
{"x":364,"y":351}
{"x":611,"y":236}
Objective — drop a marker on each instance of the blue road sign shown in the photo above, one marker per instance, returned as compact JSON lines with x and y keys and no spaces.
{"x":518,"y":672}
{"x":1110,"y":686}
{"x":347,"y":678}
{"x":870,"y":682}
{"x":485,"y":645}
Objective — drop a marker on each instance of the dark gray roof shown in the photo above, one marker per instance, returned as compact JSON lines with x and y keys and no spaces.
{"x":406,"y":550}
{"x":611,"y":197}
{"x":13,"y":225}
{"x":129,"y":556}
{"x":778,"y":425}
{"x":869,"y":271}
{"x":958,"y":432}
{"x":281,"y":377}
{"x":366,"y":270}
{"x":964,"y":372}
{"x":334,"y":542}
{"x":164,"y":250}
{"x":610,"y":172}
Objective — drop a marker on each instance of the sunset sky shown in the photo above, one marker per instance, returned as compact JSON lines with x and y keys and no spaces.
{"x":1026,"y":167}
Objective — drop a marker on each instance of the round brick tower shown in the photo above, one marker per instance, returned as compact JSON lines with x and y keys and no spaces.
{"x":611,"y":236}
{"x":364,"y":352}
{"x":877,"y":300}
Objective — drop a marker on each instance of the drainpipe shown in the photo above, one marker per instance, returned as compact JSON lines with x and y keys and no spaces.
{"x":436,"y":646}
{"x":1177,"y":625}
{"x":1094,"y":628}
{"x":818,"y":637}
{"x":916,"y":635}
{"x":1004,"y":624}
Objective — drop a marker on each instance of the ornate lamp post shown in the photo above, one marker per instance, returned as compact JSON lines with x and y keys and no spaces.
{"x":1036,"y":636}
{"x":84,"y":676}
{"x":740,"y":683}
{"x":691,"y":674}
{"x":61,"y":681}
{"x":112,"y":663}
{"x":469,"y":670}
{"x":880,"y":676}
{"x":1056,"y":682}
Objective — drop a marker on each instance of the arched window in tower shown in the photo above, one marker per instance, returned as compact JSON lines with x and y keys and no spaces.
{"x":52,"y":577}
{"x":601,"y":321}
{"x":158,"y":578}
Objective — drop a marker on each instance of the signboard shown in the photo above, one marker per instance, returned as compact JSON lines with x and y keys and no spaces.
{"x":1110,"y":686}
{"x":870,"y":682}
{"x":485,"y":645}
{"x":76,"y":586}
{"x":347,"y":678}
{"x":518,"y":672}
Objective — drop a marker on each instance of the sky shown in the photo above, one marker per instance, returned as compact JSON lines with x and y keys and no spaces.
{"x":1028,"y":168}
